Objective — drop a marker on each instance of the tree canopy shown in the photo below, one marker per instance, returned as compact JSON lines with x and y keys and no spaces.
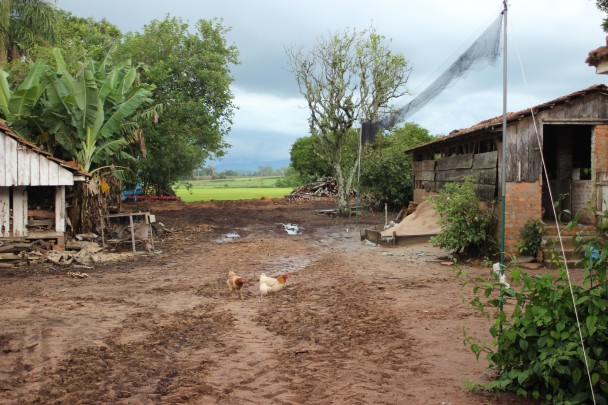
{"x":306,"y":162}
{"x":191,"y":72}
{"x":386,"y":174}
{"x":85,"y":117}
{"x":602,"y":5}
{"x":349,"y":77}
{"x":24,"y":24}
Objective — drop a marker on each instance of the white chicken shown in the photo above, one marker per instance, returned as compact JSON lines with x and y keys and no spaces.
{"x":271,"y":284}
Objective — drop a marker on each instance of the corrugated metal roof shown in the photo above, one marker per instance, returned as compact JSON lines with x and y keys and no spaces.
{"x":489,"y":124}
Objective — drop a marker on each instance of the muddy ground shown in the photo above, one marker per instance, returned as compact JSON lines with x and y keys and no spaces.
{"x":356,"y":324}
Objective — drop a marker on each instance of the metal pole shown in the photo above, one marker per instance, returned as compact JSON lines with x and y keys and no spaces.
{"x":503,"y":184}
{"x":358,"y":179}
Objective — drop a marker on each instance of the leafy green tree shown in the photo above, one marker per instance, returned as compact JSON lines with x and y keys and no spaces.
{"x":348,"y":77}
{"x":78,"y":38}
{"x":83,"y":38}
{"x":191,"y":71}
{"x":602,"y":5}
{"x":230,"y":173}
{"x":386,"y":171}
{"x":88,"y":118}
{"x":265,"y":171}
{"x":307,"y":163}
{"x":289,"y":179}
{"x":23,"y":24}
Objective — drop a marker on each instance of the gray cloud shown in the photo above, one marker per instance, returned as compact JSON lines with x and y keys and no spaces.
{"x":552,"y":37}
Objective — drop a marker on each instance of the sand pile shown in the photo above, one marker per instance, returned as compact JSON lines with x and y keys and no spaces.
{"x":423,"y":221}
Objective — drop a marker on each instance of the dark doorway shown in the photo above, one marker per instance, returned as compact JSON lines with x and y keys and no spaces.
{"x":567,"y":154}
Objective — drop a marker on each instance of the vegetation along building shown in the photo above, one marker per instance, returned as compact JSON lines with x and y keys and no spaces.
{"x":32,"y":190}
{"x":569,"y":133}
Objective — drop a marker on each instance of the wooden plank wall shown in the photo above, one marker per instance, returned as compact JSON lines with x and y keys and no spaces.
{"x":482,"y":168}
{"x":22,"y":166}
{"x":5,"y":212}
{"x":523,"y":152}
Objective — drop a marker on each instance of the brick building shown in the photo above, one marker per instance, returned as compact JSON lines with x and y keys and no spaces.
{"x":570,"y":134}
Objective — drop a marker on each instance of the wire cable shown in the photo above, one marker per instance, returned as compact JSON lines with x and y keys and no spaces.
{"x":559,"y":234}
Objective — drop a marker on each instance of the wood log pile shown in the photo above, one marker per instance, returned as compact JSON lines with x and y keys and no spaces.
{"x":17,"y":253}
{"x":324,"y":188}
{"x":21,"y":252}
{"x":41,"y":220}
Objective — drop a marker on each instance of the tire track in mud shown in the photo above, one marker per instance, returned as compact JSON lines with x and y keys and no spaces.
{"x":343,"y":342}
{"x":157,"y":367}
{"x":249,"y":363}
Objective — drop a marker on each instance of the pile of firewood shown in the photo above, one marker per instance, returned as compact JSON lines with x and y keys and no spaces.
{"x":22,"y":252}
{"x":323,"y":188}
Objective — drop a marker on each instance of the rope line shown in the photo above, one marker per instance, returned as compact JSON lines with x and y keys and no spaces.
{"x":559,"y":232}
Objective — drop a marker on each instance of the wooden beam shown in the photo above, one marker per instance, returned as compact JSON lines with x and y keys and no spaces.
{"x":19,"y":211}
{"x":5,"y":211}
{"x":60,"y":209}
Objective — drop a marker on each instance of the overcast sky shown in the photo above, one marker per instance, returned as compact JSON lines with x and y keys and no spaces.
{"x":548,"y":40}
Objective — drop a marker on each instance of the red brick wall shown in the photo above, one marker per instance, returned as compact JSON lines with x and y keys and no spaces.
{"x":600,"y":148}
{"x":523,"y":202}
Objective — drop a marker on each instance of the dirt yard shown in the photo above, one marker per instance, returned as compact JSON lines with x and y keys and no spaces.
{"x":356,"y":323}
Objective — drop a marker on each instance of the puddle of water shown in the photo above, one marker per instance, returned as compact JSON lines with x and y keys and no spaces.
{"x":229,"y":237}
{"x":291,"y":229}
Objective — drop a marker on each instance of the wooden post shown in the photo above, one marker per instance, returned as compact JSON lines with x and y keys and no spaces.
{"x":60,"y":209}
{"x":19,"y":211}
{"x":5,"y":212}
{"x":132,"y":232}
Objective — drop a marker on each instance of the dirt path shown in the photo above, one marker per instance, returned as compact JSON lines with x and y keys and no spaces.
{"x":356,"y":324}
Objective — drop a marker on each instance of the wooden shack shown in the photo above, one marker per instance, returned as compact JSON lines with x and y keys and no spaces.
{"x":570,"y":134}
{"x":32,"y":190}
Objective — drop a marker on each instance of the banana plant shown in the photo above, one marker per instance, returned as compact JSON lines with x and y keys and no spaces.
{"x":91,"y":114}
{"x":86,"y":113}
{"x":17,"y":107}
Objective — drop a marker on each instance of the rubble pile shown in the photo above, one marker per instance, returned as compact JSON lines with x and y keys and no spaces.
{"x":85,"y":250}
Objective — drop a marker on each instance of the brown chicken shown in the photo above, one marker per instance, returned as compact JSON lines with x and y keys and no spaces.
{"x":235,"y":283}
{"x":271,"y":284}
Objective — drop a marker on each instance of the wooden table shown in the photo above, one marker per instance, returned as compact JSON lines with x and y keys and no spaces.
{"x":148,"y":219}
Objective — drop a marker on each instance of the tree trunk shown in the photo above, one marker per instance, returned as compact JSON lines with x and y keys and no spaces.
{"x":3,"y":55}
{"x":5,"y":12}
{"x":344,"y":182}
{"x":14,"y":52}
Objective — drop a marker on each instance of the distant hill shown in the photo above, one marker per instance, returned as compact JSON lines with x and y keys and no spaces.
{"x":222,"y":166}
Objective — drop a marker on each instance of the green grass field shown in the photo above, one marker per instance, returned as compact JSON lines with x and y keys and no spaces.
{"x":240,"y":188}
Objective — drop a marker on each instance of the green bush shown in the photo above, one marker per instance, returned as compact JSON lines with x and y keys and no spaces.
{"x":386,"y":172}
{"x":531,"y":237}
{"x":536,"y":348}
{"x":291,"y":179}
{"x":465,"y":225}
